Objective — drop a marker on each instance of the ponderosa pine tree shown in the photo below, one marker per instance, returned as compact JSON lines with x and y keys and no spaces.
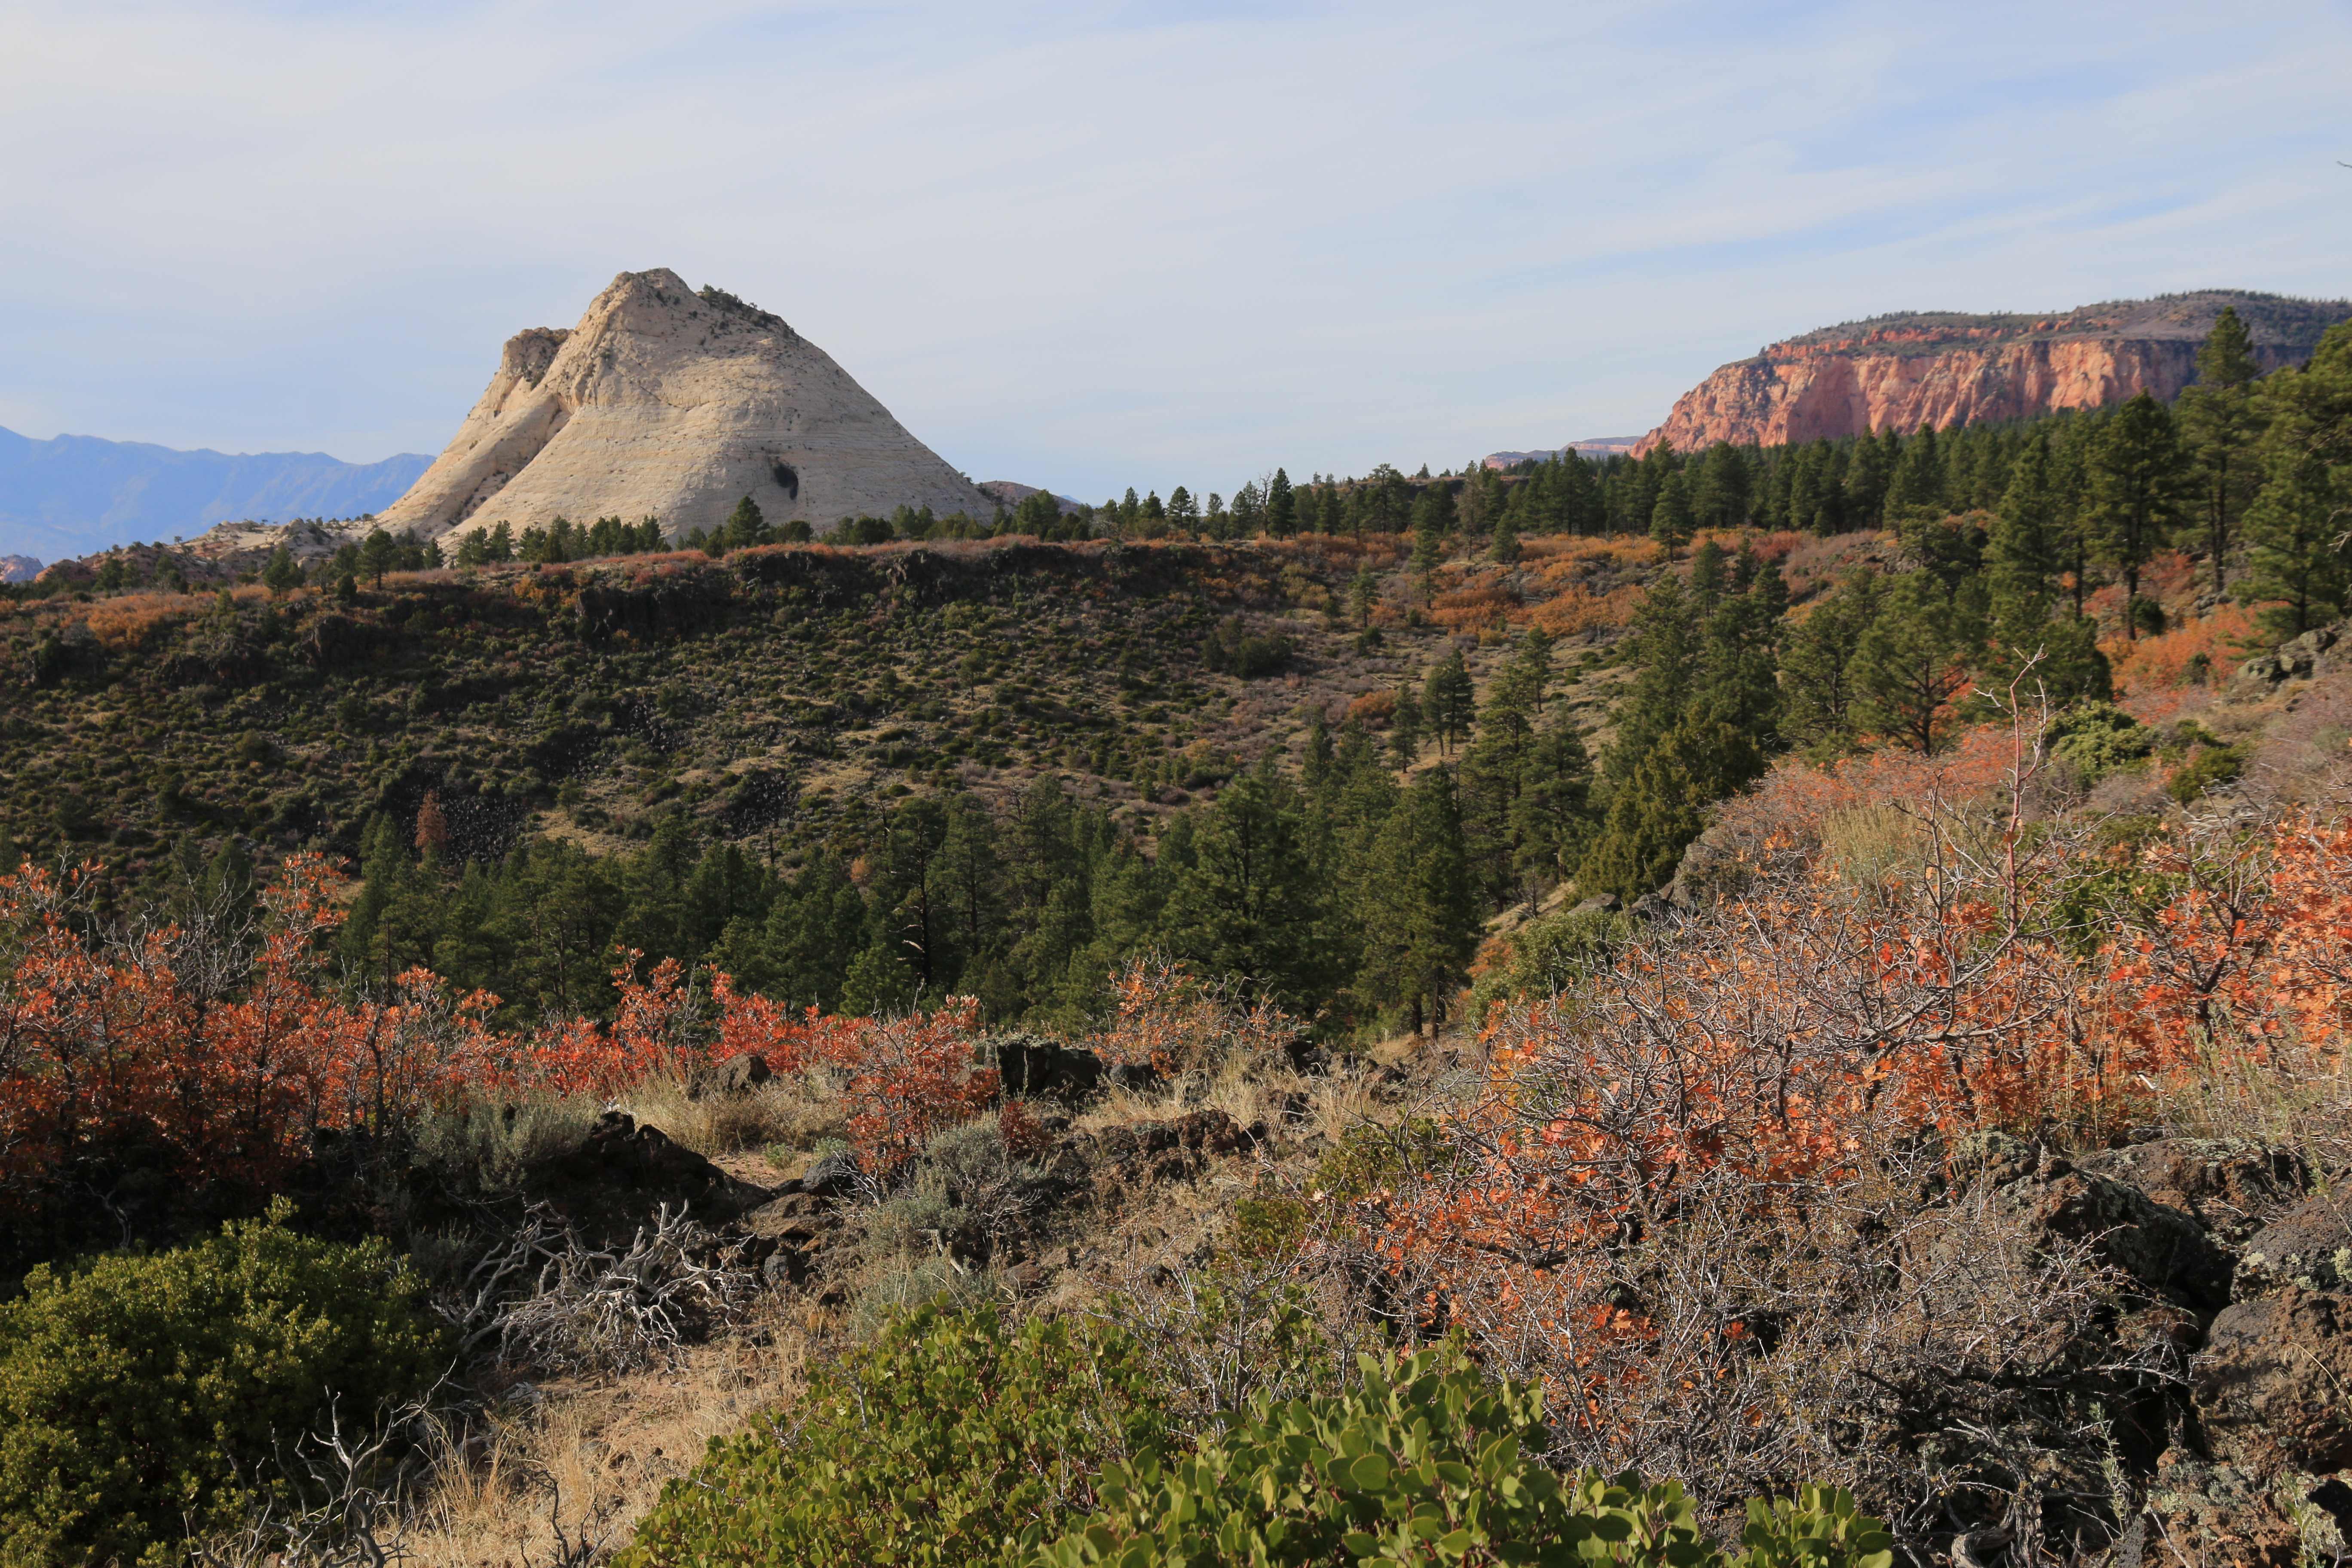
{"x":1480,"y":503}
{"x":1551,"y":819}
{"x":1914,"y":658}
{"x":378,"y":555}
{"x":1663,"y":649}
{"x":2300,"y":526}
{"x":1634,"y":498}
{"x":2021,"y":585}
{"x":1917,"y":483}
{"x":1419,"y":917}
{"x":2024,"y":550}
{"x":1183,"y":512}
{"x":1428,"y":539}
{"x":1448,"y":702}
{"x":1672,"y":522}
{"x":281,"y":573}
{"x":1740,"y":630}
{"x":1250,"y":904}
{"x":2221,"y":418}
{"x":1406,"y":725}
{"x":1657,"y":814}
{"x":970,"y":878}
{"x":2138,"y":492}
{"x":1870,"y":465}
{"x":1248,"y":512}
{"x":801,"y":948}
{"x":1504,"y":550}
{"x":1721,"y":489}
{"x":1281,"y":506}
{"x":1316,"y":756}
{"x":745,"y":526}
{"x":1818,"y":687}
{"x":1499,"y":766}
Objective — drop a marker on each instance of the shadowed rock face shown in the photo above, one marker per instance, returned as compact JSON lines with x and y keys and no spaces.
{"x":1902,"y":371}
{"x":668,"y":403}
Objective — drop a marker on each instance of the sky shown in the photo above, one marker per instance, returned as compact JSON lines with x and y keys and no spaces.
{"x":1090,"y":246}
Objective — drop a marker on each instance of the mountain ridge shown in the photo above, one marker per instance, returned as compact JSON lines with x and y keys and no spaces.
{"x":71,"y":495}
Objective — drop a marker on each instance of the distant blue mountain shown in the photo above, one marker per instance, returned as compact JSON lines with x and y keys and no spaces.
{"x":77,"y":493}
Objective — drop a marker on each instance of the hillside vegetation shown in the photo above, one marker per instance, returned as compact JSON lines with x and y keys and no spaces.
{"x":1478,"y":1041}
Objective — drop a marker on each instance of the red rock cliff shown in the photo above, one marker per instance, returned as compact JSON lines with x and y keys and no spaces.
{"x":1945,"y":370}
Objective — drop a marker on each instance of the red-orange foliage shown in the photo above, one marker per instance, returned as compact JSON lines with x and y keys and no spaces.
{"x":229,"y":1068}
{"x":1783,"y":1043}
{"x":914,"y":1077}
{"x":230,"y":1061}
{"x":1168,"y":1018}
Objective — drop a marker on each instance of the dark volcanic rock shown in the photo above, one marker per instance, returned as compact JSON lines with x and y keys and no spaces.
{"x":1136,"y":1078}
{"x":2272,"y":1384}
{"x":2231,"y":1187}
{"x":621,"y":1165}
{"x":834,"y":1177}
{"x":2055,"y":1202}
{"x":2310,"y":1247}
{"x":745,"y":1073}
{"x":1034,"y":1069}
{"x":2223,"y":1515}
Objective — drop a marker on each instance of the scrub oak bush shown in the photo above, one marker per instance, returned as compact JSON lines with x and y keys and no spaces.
{"x":142,"y":1396}
{"x":954,"y":1440}
{"x":951,"y":1441}
{"x":1424,"y":1462}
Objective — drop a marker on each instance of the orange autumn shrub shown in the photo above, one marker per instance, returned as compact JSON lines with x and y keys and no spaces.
{"x":125,"y":622}
{"x":1575,"y":610}
{"x":1487,"y":598}
{"x":655,"y":1032}
{"x":1722,"y":1078}
{"x":231,"y":1060}
{"x":1167,"y":1017}
{"x":913,"y":1078}
{"x":228,"y":1061}
{"x":2164,"y":660}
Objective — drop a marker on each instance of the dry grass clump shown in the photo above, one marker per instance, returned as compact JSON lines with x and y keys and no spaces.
{"x":796,"y":1112}
{"x":581,"y":1456}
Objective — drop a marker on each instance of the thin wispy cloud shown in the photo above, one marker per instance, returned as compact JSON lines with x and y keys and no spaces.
{"x":1095,"y":245}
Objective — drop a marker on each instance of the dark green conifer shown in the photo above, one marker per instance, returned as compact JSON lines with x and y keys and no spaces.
{"x":1914,"y":658}
{"x":1448,"y":703}
{"x":2138,"y":491}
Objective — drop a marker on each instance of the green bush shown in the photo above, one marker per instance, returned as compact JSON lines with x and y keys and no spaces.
{"x":950,"y":1440}
{"x":1820,"y":1527}
{"x":1232,"y":650}
{"x":1552,"y":953}
{"x":2099,"y":738}
{"x":2211,"y":768}
{"x":141,"y":1396}
{"x":1425,"y":1462}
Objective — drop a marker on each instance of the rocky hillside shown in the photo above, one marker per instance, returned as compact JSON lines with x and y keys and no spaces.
{"x":1945,"y":369}
{"x":671,"y":404}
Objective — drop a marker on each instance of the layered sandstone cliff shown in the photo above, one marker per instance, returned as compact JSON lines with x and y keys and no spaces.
{"x":1903,"y":371}
{"x":669,"y":404}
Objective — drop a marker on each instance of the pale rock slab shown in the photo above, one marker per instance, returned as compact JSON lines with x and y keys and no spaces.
{"x":668,"y":403}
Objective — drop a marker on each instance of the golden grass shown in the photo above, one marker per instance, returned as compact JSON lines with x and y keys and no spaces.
{"x":605,"y":1449}
{"x":128,"y":621}
{"x":793,"y":1110}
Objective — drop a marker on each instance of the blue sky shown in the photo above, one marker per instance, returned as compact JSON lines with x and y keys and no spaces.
{"x":1094,"y":244}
